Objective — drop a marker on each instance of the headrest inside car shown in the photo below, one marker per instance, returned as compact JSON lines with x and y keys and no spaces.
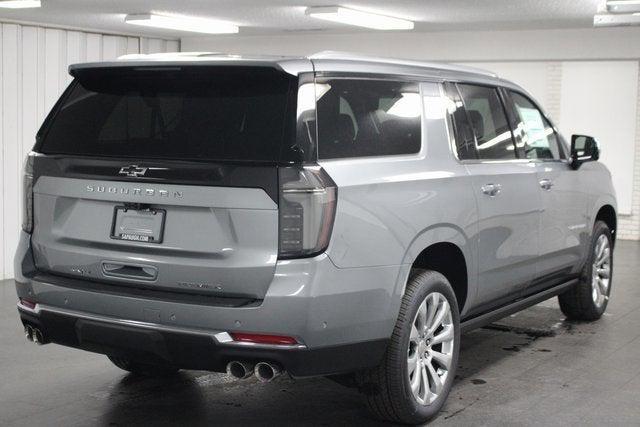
{"x":477,"y":122}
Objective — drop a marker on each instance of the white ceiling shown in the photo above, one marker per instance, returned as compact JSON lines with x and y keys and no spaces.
{"x":281,"y":16}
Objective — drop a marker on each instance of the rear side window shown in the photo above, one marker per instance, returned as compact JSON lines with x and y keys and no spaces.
{"x":358,"y":118}
{"x":203,"y":113}
{"x":539,"y":139}
{"x":489,"y":122}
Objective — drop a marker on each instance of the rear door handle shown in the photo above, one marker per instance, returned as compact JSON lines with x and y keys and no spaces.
{"x":491,"y":190}
{"x":546,"y":184}
{"x":126,"y":271}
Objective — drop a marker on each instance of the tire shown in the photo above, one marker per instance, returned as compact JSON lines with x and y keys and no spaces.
{"x":589,"y":298}
{"x":142,"y":369}
{"x":388,"y":386}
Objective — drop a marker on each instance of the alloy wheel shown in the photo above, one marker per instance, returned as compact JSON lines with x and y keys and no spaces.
{"x":431,"y":345}
{"x":601,"y":271}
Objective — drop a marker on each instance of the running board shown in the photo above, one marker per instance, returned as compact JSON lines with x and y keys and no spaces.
{"x":518,"y":305}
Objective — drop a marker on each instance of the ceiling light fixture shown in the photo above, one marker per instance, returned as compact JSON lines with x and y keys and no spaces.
{"x":19,"y":4}
{"x":621,"y":6}
{"x":359,"y":18}
{"x":183,"y":23}
{"x":616,"y":20}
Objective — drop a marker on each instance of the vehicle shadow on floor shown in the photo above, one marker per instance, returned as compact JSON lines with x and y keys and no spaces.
{"x":202,"y":398}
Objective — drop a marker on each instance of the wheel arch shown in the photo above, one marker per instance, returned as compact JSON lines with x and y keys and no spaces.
{"x":447,"y":250}
{"x":607,"y":214}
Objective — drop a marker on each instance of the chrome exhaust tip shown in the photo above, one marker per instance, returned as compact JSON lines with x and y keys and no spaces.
{"x":240,"y":370}
{"x":38,"y":337}
{"x":28,"y":333}
{"x":266,"y":372}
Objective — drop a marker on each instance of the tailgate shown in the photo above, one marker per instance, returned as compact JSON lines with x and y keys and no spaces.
{"x":213,"y":240}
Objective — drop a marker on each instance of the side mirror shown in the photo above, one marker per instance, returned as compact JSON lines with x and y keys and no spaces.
{"x":583,"y":149}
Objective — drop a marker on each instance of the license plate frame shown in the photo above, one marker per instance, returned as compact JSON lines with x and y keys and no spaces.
{"x":131,"y":224}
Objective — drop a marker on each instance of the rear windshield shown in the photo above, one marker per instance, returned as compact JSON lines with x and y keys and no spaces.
{"x":203,"y":113}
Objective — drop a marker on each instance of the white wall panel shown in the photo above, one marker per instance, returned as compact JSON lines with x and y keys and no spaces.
{"x":452,"y":46}
{"x":94,"y":47}
{"x":33,"y":73}
{"x":11,"y":105}
{"x":76,"y":49}
{"x":172,"y":46}
{"x":600,"y":99}
{"x":52,"y":66}
{"x":152,"y":45}
{"x":31,"y":88}
{"x":113,"y":47}
{"x":2,"y":158}
{"x":133,"y":45}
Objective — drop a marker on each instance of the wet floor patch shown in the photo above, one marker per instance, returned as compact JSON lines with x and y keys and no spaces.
{"x":530,"y":332}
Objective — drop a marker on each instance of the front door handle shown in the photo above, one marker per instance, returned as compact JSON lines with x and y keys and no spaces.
{"x":491,"y":190}
{"x":546,"y":184}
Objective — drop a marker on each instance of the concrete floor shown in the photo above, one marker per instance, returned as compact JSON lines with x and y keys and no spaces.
{"x":533,"y":368}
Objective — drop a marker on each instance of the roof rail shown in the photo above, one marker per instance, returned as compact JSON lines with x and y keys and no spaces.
{"x":349,"y":56}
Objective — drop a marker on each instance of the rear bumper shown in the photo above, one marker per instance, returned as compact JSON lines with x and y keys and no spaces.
{"x":197,"y":350}
{"x":342,"y":318}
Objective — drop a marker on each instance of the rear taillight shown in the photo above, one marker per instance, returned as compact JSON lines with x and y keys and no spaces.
{"x":263,"y":338}
{"x":27,"y":303}
{"x":27,"y":194}
{"x":307,"y":209}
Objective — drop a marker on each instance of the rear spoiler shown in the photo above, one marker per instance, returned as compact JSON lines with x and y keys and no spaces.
{"x":290,"y":66}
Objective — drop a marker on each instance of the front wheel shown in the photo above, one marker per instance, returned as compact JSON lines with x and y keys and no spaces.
{"x":589,"y":298}
{"x":414,"y":379}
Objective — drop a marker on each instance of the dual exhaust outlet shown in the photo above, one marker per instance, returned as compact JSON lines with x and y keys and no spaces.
{"x":34,"y":335}
{"x":264,"y":371}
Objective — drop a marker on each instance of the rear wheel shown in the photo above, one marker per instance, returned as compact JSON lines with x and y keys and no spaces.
{"x":415,"y":377}
{"x":142,"y":369}
{"x":589,"y":298}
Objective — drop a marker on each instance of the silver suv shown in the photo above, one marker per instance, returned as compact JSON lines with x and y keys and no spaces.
{"x":333,"y":216}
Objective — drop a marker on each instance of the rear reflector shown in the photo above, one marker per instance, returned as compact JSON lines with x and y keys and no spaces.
{"x":29,"y":304}
{"x":263,"y":339}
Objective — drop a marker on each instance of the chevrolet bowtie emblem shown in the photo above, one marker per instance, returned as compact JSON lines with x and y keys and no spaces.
{"x":132,"y":170}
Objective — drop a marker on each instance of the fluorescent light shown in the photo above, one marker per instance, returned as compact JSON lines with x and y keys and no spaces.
{"x":359,"y":18}
{"x":183,"y":23}
{"x":616,"y":20}
{"x":619,"y":6}
{"x":19,"y":4}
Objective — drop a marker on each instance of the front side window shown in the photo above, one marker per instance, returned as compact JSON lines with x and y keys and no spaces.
{"x":359,"y":118}
{"x":488,"y":119}
{"x":538,"y":137}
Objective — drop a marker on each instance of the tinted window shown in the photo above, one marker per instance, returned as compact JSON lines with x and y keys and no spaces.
{"x":489,"y":122}
{"x":367,"y":118}
{"x":203,"y":113}
{"x":538,"y":137}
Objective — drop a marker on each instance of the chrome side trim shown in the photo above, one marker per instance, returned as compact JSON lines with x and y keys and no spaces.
{"x":219,"y":337}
